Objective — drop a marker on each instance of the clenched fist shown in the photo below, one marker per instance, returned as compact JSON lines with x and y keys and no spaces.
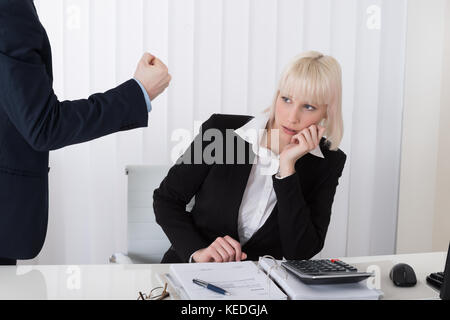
{"x":153,"y":74}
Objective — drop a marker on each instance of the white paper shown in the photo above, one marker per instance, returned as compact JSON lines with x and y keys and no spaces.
{"x":243,"y":280}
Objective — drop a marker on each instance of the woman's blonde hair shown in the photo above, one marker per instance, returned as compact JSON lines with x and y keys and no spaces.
{"x":316,"y":79}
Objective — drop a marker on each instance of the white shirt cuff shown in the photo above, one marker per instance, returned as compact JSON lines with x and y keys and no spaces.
{"x":280,"y":177}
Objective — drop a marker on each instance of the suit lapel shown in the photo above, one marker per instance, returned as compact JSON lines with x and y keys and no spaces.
{"x":237,"y":179}
{"x":268,"y":224}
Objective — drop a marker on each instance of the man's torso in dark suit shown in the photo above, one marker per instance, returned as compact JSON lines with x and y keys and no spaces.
{"x":33,"y":121}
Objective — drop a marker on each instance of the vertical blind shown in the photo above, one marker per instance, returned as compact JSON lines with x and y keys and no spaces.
{"x":225,"y":56}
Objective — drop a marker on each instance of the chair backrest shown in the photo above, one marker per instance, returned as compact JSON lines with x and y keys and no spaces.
{"x":147,"y":242}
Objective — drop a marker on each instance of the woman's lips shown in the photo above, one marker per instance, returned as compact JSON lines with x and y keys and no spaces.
{"x":289,"y":131}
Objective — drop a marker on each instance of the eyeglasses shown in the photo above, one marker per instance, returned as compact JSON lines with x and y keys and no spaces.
{"x":158,"y":293}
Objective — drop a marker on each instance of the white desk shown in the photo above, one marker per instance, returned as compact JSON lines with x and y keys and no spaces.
{"x":125,"y":281}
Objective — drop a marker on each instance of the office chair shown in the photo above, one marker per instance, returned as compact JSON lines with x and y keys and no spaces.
{"x":147,"y":242}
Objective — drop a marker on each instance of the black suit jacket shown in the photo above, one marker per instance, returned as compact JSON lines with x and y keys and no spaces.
{"x":295,"y":229}
{"x":33,"y":121}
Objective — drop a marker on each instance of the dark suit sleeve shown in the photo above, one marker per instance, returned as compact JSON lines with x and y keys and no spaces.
{"x":303,"y":226}
{"x":183,"y":181}
{"x":29,"y":101}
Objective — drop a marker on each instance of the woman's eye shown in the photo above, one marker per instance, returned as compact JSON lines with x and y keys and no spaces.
{"x":309,"y":107}
{"x":286,"y":99}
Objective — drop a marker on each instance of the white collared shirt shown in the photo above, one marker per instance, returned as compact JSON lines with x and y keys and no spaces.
{"x":259,"y":197}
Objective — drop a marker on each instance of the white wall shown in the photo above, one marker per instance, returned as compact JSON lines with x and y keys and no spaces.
{"x":441,"y":228}
{"x":424,"y":207}
{"x":225,"y":57}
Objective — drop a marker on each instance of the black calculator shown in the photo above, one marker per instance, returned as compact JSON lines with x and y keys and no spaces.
{"x":324,"y":271}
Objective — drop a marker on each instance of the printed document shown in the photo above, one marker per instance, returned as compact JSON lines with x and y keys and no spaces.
{"x":243,"y":280}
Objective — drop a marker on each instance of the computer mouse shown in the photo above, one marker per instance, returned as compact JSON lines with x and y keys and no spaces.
{"x":403,"y":275}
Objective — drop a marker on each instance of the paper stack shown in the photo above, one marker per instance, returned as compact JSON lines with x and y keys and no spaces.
{"x":242,"y":279}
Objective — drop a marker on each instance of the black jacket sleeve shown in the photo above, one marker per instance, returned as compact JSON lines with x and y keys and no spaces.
{"x":28,"y":99}
{"x":183,"y":181}
{"x":303,"y":226}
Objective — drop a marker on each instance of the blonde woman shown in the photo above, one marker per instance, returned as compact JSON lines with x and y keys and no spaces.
{"x":270,"y":192}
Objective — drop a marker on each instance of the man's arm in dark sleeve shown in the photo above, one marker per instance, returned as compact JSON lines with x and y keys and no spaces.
{"x":28,"y":99}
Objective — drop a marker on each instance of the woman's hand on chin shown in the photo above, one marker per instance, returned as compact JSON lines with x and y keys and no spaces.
{"x":303,"y":142}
